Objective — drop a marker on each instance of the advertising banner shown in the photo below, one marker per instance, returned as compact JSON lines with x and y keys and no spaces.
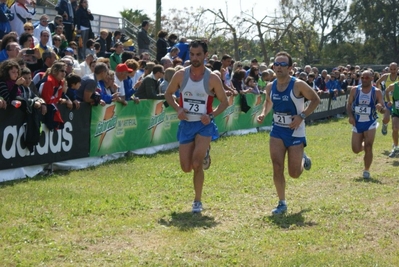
{"x":117,"y":128}
{"x":69,"y":143}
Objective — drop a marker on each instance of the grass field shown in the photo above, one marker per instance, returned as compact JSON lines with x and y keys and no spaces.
{"x":136,"y":211}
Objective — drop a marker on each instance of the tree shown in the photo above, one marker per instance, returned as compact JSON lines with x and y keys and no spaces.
{"x":379,"y":21}
{"x":185,"y":22}
{"x":266,"y":24}
{"x":221,"y":24}
{"x":134,"y":16}
{"x":326,"y":17}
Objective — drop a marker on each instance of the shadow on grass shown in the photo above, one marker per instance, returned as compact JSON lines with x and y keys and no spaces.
{"x":370,"y":180}
{"x":289,"y":220}
{"x":187,"y":220}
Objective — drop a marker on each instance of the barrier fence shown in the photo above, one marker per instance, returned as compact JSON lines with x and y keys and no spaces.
{"x":93,"y":132}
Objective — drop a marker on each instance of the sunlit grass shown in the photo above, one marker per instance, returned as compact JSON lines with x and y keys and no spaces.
{"x":136,"y":211}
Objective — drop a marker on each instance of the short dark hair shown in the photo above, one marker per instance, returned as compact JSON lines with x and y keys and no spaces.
{"x":26,"y":71}
{"x":144,"y":23}
{"x":117,"y":33}
{"x":97,"y":45}
{"x":172,"y":36}
{"x":100,"y":67}
{"x":89,"y":43}
{"x":217,"y":65}
{"x":199,"y":43}
{"x":225,"y":56}
{"x":45,"y":31}
{"x":126,"y":55}
{"x":285,"y":54}
{"x":46,"y":55}
{"x":72,"y":79}
{"x":157,"y":68}
{"x":24,"y":37}
{"x":162,"y":34}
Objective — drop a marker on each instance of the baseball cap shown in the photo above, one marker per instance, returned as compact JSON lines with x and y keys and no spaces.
{"x":254,"y":60}
{"x":122,"y":67}
{"x":68,"y":49}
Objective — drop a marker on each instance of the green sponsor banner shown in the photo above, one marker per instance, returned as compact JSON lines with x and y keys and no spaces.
{"x":117,"y":128}
{"x":234,"y":119}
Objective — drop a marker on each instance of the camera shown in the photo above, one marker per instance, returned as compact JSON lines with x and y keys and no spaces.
{"x":30,"y":52}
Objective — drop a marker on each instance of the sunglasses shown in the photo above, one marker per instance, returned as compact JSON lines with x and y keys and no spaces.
{"x":28,"y":29}
{"x":282,"y":64}
{"x":63,"y":71}
{"x":366,"y":78}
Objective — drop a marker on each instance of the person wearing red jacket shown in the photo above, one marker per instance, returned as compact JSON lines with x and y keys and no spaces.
{"x":52,"y":92}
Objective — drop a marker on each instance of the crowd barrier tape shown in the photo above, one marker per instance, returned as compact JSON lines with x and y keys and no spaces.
{"x":99,"y":132}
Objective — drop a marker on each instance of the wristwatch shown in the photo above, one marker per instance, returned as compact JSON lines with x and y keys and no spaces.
{"x":303,"y":116}
{"x":210,"y":116}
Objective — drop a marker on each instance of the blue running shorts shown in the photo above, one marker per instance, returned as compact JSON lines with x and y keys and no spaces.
{"x":286,"y":136}
{"x":187,"y":131}
{"x":361,"y":127}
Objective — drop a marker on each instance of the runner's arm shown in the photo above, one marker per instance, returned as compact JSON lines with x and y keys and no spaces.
{"x":174,"y":85}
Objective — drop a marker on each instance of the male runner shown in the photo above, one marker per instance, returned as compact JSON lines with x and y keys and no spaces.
{"x":287,"y":96}
{"x":394,"y":90}
{"x":363,"y":102}
{"x":388,"y":79}
{"x":198,"y":86}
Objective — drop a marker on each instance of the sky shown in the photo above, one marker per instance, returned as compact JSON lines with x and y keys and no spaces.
{"x":113,"y":7}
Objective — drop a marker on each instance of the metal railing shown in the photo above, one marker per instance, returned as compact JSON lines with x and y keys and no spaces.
{"x":131,"y":30}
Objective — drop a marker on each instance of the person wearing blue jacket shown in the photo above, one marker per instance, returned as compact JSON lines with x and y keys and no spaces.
{"x":183,"y":46}
{"x":5,"y":17}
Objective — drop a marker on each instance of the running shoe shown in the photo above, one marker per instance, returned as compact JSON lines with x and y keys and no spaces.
{"x":280,"y":209}
{"x":207,"y":160}
{"x":366,"y":174}
{"x":197,"y":207}
{"x":384,"y":129}
{"x":393,"y":153}
{"x":307,"y":164}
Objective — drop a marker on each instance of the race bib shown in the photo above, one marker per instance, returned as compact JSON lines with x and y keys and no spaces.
{"x":397,"y":104}
{"x":282,"y":120}
{"x":361,"y":110}
{"x":195,"y":106}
